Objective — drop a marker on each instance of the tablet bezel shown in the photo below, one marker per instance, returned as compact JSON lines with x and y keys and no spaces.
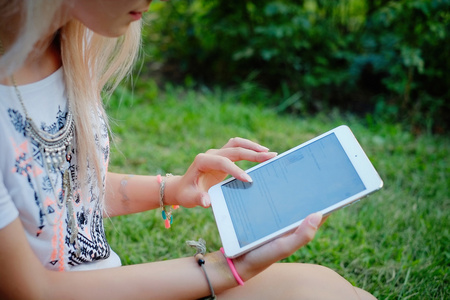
{"x":357,"y":157}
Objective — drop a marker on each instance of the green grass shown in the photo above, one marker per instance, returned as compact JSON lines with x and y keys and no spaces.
{"x":394,"y":243}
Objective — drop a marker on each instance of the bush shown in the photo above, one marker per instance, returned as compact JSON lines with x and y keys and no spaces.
{"x":386,"y":59}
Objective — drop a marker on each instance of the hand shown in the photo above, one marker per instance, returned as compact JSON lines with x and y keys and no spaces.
{"x":257,"y":260}
{"x":213,"y":166}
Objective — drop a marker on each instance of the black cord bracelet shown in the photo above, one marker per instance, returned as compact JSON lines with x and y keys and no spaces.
{"x":201,"y":263}
{"x":199,"y":257}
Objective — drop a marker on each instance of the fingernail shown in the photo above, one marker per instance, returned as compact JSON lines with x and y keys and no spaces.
{"x":262,"y":148}
{"x":205,"y":201}
{"x":315,"y":219}
{"x":246,"y":177}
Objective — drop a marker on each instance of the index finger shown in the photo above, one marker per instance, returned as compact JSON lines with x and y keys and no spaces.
{"x":240,"y":153}
{"x":245,"y":143}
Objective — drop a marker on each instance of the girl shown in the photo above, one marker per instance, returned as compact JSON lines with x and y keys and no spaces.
{"x":56,"y":57}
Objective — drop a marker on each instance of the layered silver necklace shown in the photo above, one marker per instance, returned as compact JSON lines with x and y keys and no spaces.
{"x":54,"y":147}
{"x":55,"y":151}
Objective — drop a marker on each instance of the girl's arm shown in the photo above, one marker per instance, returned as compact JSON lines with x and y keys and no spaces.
{"x":126,"y":194}
{"x":24,"y":277}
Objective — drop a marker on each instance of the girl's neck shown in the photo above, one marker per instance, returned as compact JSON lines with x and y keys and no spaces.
{"x":45,"y":58}
{"x":43,"y":61}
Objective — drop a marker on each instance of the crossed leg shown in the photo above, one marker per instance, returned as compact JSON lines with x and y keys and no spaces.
{"x":297,"y":281}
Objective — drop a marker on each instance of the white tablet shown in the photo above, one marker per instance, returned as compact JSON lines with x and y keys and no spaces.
{"x":323,"y":174}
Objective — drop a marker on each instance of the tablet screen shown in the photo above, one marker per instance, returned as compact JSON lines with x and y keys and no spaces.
{"x":290,"y":188}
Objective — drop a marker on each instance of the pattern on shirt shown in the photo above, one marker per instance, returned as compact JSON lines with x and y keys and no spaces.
{"x":49,"y":199}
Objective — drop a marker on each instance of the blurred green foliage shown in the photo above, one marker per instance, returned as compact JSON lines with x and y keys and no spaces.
{"x":385,"y":59}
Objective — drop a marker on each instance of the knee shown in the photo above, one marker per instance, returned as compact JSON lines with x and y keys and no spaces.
{"x":364,"y":295}
{"x":325,"y":283}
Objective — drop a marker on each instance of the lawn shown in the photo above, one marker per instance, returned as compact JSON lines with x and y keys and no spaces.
{"x":394,"y":243}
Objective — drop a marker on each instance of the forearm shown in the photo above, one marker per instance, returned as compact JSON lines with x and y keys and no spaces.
{"x":24,"y":277}
{"x":174,"y":279}
{"x":127,"y":194}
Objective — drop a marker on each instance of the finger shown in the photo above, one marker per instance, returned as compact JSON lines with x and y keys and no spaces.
{"x":216,"y":163}
{"x":198,"y":198}
{"x":245,"y":143}
{"x":324,"y":218}
{"x":239,"y":153}
{"x":257,"y":260}
{"x":305,"y":232}
{"x":205,"y":200}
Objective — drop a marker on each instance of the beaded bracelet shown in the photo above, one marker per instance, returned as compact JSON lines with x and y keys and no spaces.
{"x":166,"y":210}
{"x":233,"y":268}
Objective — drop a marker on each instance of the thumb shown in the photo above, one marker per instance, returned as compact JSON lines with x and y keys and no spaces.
{"x":304,"y":233}
{"x":314,"y":220}
{"x":260,"y":258}
{"x":205,"y":200}
{"x":307,"y":229}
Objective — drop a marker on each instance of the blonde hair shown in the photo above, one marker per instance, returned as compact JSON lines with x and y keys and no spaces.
{"x":92,"y":64}
{"x":35,"y":18}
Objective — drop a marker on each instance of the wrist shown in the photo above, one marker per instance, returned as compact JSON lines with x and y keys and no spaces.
{"x":246,"y":268}
{"x":233,"y":269}
{"x":218,"y":262}
{"x":170,"y":191}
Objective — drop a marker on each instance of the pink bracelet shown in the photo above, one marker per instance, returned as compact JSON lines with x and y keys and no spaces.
{"x":233,"y":268}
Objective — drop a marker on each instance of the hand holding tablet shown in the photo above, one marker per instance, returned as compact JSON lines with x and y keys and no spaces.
{"x":323,"y":174}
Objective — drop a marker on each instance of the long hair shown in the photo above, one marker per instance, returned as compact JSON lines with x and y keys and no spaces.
{"x":92,"y":64}
{"x":24,"y":21}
